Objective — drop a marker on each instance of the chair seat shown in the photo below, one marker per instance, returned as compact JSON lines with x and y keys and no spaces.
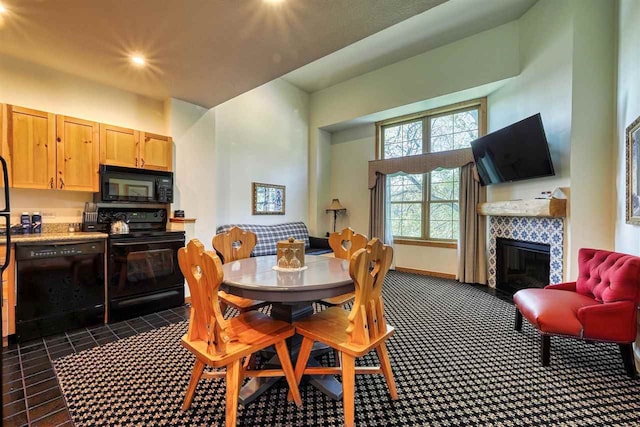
{"x":339,"y":300}
{"x":330,"y":327}
{"x":553,"y":311}
{"x":240,"y":303}
{"x":252,"y":330}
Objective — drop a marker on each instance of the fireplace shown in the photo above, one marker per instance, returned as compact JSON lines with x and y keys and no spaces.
{"x":545,"y":231}
{"x":521,"y":264}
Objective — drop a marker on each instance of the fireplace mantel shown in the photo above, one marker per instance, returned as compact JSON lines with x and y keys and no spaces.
{"x":550,"y":208}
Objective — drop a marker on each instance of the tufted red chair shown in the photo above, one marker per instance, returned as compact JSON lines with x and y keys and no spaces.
{"x":601,"y":305}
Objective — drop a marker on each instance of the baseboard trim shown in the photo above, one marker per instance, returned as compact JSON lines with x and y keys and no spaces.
{"x":187,"y":300}
{"x":426,"y":273}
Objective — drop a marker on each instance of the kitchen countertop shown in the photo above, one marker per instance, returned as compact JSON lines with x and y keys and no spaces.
{"x":46,"y":237}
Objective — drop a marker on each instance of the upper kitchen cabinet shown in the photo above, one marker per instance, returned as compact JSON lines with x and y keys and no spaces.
{"x":78,"y":154}
{"x":119,"y":146}
{"x":156,"y":152}
{"x":29,"y":147}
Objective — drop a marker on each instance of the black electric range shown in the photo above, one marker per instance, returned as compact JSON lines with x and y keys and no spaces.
{"x":143,"y":275}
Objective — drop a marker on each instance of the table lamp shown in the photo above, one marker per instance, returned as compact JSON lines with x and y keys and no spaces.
{"x":336,"y":207}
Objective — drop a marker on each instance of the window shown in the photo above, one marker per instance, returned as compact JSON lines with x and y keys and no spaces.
{"x":425,"y":206}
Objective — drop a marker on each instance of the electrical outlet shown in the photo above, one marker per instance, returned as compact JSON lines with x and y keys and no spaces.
{"x":48,"y":214}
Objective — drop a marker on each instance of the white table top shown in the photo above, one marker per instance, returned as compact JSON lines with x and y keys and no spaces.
{"x":255,"y":278}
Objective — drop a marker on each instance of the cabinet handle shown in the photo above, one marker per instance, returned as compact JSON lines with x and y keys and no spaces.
{"x":87,"y":142}
{"x":136,"y":162}
{"x":51,"y":182}
{"x":61,"y":184}
{"x":142,"y":163}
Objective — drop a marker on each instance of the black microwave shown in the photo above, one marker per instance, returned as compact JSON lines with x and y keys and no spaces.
{"x":119,"y":184}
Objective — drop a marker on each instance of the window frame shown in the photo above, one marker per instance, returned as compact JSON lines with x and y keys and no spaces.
{"x":479,"y":104}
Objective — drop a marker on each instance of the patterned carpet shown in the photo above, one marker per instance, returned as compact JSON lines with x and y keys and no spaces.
{"x":456,"y":360}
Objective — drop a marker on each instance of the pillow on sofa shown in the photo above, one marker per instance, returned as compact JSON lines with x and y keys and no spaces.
{"x":269,"y":235}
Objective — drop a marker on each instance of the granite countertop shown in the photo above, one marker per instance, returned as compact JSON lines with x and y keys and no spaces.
{"x":44,"y":237}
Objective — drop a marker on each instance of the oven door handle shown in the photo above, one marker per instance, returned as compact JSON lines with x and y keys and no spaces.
{"x":145,"y":242}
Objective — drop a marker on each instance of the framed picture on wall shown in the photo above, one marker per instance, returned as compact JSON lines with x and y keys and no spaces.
{"x":267,"y":199}
{"x":633,"y":172}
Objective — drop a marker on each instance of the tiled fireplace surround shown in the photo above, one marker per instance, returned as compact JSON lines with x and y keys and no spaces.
{"x":528,"y":229}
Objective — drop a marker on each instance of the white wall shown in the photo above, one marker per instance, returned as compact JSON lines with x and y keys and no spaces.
{"x":193,"y":131}
{"x":565,"y":68}
{"x":262,"y":136}
{"x":34,"y":86}
{"x":627,"y":237}
{"x":351,"y":151}
{"x":543,"y":86}
{"x":445,"y":70}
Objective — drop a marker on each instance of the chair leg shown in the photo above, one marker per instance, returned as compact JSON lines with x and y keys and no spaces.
{"x":518,"y":322}
{"x":545,"y":349}
{"x":348,"y":388}
{"x":233,"y":390}
{"x":198,"y":368}
{"x":385,"y":364}
{"x":627,"y":359}
{"x":290,"y":375}
{"x":303,"y":357}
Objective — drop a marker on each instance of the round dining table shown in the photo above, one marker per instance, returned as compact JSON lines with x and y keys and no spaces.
{"x":291,"y":294}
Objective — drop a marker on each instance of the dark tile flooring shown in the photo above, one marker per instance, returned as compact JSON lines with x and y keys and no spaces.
{"x":31,"y":395}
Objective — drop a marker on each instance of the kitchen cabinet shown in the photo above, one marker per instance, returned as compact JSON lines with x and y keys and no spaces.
{"x":156,"y":152}
{"x":135,"y":149}
{"x":119,"y":146}
{"x":78,"y":154}
{"x":30,"y":148}
{"x":8,"y":297}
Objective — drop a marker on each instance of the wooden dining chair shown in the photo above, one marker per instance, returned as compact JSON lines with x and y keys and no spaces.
{"x":220,"y":343}
{"x":233,"y":245}
{"x":353,"y":333}
{"x":344,"y":244}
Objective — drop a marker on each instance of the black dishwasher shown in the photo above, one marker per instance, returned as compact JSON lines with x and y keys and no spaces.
{"x":60,"y":286}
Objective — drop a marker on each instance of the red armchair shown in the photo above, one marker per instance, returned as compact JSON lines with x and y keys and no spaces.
{"x":601,"y":305}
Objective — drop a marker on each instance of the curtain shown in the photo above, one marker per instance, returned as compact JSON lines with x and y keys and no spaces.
{"x":472,"y":265}
{"x":421,"y":163}
{"x":377,"y":208}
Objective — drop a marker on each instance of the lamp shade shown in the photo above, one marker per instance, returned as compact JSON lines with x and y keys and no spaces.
{"x":336,"y":206}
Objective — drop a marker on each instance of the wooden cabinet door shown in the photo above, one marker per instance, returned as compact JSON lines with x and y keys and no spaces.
{"x":78,"y":154}
{"x":31,"y":148}
{"x":156,"y":152}
{"x":119,"y":146}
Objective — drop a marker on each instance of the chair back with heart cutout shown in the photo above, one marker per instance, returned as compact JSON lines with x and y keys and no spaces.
{"x":203,"y":272}
{"x":346,"y":242}
{"x":368,"y":268}
{"x":235,"y":244}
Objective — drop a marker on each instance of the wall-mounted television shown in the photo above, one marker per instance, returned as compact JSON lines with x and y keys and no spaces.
{"x":516,"y":152}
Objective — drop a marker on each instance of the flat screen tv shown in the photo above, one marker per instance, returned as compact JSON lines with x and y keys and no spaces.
{"x":516,"y":152}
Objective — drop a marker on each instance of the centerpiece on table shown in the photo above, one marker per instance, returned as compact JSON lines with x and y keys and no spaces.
{"x":290,"y":255}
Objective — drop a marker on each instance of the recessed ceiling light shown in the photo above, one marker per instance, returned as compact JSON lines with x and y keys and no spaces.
{"x":3,"y":9}
{"x":274,"y":1}
{"x":138,"y":60}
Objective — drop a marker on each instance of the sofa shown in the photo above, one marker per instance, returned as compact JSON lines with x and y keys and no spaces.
{"x":269,"y":235}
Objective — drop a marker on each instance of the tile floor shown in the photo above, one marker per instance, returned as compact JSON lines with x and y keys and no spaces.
{"x":31,"y":395}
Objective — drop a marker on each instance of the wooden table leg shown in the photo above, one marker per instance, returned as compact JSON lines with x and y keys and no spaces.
{"x":327,"y":384}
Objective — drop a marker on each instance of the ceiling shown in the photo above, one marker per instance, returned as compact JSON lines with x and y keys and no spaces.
{"x":204,"y":52}
{"x":450,"y":21}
